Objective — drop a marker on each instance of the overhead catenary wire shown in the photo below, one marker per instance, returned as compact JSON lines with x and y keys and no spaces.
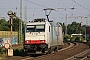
{"x":59,"y":12}
{"x":35,"y":3}
{"x":63,"y":3}
{"x":34,"y":8}
{"x":65,"y":6}
{"x":81,"y":5}
{"x":41,"y":5}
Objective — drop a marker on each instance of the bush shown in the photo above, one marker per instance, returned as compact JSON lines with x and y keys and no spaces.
{"x":65,"y":38}
{"x":1,"y":51}
{"x":77,"y":39}
{"x":19,"y":52}
{"x":72,"y":39}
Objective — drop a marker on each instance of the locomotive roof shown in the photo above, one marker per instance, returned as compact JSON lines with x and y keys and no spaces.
{"x":42,"y":21}
{"x":39,"y":20}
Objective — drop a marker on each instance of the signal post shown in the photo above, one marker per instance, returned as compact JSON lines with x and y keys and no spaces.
{"x":11,"y":15}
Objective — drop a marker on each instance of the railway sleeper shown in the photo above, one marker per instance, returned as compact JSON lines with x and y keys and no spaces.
{"x":79,"y":56}
{"x":83,"y":54}
{"x":75,"y":43}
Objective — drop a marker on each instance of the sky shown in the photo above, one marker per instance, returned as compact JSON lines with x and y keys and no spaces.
{"x":81,"y":13}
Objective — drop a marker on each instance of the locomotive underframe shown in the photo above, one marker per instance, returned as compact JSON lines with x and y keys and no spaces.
{"x":43,"y":48}
{"x":35,"y":47}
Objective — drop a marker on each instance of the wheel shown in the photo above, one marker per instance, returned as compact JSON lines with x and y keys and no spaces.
{"x":43,"y":51}
{"x":56,"y":49}
{"x":49,"y":50}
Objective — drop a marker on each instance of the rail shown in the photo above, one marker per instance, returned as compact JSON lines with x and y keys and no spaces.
{"x":81,"y":56}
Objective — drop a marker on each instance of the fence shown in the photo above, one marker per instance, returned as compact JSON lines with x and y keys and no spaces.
{"x":5,"y":37}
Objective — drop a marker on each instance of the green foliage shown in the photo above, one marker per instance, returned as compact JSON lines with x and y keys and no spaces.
{"x":83,"y":29}
{"x":60,"y":23}
{"x":4,"y":25}
{"x":72,"y":39}
{"x":1,"y":51}
{"x":67,"y":38}
{"x":16,"y":24}
{"x":19,"y":52}
{"x":75,"y":28}
{"x":77,"y":39}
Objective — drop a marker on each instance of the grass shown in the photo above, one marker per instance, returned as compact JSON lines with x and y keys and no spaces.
{"x":2,"y":54}
{"x":17,"y":51}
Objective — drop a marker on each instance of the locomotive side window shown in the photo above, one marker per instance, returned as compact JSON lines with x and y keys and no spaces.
{"x":49,"y":28}
{"x":35,"y":28}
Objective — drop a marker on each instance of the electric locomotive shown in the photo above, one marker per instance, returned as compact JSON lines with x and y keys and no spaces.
{"x":42,"y":36}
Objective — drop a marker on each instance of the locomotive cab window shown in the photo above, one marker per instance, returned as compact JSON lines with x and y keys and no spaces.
{"x":35,"y":28}
{"x":30,"y":28}
{"x":40,"y":28}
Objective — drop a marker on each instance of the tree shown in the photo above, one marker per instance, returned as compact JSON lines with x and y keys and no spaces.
{"x":4,"y":25}
{"x":16,"y":24}
{"x":75,"y":28}
{"x":83,"y":29}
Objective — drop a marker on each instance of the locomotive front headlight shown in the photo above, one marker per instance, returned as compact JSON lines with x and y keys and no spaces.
{"x":42,"y":41}
{"x":27,"y":41}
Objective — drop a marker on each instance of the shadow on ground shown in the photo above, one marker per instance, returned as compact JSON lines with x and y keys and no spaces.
{"x":19,"y":52}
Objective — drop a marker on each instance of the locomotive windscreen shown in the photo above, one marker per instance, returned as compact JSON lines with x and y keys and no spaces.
{"x":35,"y":28}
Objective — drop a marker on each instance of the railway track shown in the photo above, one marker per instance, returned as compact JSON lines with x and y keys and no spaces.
{"x":70,"y":47}
{"x":68,"y":51}
{"x":81,"y":56}
{"x":67,"y":46}
{"x":64,"y":53}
